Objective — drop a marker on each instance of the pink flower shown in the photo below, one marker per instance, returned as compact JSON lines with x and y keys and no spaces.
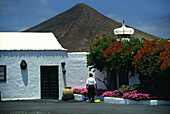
{"x":134,"y":95}
{"x":115,"y":93}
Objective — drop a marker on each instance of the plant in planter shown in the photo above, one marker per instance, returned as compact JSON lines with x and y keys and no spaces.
{"x":76,"y":91}
{"x":135,"y":95}
{"x":115,"y":93}
{"x":82,"y":91}
{"x":81,"y":94}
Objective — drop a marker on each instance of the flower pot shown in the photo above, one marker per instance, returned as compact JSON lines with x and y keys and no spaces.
{"x":68,"y":93}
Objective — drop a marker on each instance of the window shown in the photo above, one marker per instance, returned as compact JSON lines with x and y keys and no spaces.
{"x":2,"y":72}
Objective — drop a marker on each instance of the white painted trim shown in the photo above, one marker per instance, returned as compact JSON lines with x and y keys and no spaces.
{"x":78,"y":52}
{"x":133,"y":102}
{"x":12,"y":99}
{"x":79,"y":97}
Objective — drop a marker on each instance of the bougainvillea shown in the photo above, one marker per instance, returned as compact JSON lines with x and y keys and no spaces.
{"x":112,"y":54}
{"x":121,"y":54}
{"x":148,"y":58}
{"x":95,"y":58}
{"x":153,"y":58}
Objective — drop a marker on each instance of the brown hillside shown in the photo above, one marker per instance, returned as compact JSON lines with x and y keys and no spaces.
{"x":76,"y":28}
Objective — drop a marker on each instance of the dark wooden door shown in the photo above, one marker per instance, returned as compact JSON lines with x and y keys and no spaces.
{"x":49,"y":82}
{"x":123,"y":78}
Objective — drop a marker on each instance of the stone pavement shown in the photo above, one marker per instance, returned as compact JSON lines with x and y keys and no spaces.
{"x":43,"y":106}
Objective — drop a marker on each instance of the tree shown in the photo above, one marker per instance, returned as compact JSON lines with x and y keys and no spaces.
{"x":153,"y":59}
{"x":150,"y":59}
{"x":95,"y":58}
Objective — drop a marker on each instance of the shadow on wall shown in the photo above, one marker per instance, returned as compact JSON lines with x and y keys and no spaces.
{"x":25,"y":76}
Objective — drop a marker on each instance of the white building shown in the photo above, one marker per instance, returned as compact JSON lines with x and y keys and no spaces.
{"x":43,"y":76}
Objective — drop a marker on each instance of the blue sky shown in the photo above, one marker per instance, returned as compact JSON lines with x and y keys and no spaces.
{"x":151,"y":16}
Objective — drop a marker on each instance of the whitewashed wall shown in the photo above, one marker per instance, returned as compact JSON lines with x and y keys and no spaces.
{"x":76,"y":70}
{"x":25,"y":84}
{"x":134,"y":79}
{"x":101,"y":76}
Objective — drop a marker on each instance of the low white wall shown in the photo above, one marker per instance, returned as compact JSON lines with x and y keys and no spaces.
{"x":133,"y":102}
{"x":80,"y":97}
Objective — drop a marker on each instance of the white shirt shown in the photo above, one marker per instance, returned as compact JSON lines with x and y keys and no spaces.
{"x":91,"y":81}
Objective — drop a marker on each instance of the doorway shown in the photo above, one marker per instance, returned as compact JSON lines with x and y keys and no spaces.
{"x":123,"y":78}
{"x":49,"y":82}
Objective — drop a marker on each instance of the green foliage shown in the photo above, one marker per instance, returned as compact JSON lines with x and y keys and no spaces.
{"x":148,"y":58}
{"x":153,"y":59}
{"x":95,"y":57}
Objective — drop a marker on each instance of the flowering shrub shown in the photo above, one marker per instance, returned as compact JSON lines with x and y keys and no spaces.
{"x":153,"y":59}
{"x":95,"y":58}
{"x":76,"y":91}
{"x":148,"y":58}
{"x":115,"y":93}
{"x":120,"y":54}
{"x":83,"y":91}
{"x":134,"y":95}
{"x":113,"y":53}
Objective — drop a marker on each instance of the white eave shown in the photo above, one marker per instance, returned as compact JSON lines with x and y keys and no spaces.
{"x":29,"y":41}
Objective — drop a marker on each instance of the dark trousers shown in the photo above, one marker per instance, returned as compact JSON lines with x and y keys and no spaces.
{"x":91,"y":92}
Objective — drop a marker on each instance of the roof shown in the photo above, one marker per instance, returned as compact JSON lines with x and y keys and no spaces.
{"x":123,"y":30}
{"x":29,"y":41}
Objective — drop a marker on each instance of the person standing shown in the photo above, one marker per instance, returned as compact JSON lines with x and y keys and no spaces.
{"x":90,"y":85}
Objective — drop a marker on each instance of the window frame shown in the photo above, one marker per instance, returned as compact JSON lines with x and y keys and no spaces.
{"x":2,"y":80}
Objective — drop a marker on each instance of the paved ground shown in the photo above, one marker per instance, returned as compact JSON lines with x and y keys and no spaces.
{"x":74,"y":107}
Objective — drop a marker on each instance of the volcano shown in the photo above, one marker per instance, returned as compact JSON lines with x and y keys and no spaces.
{"x":77,"y":27}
